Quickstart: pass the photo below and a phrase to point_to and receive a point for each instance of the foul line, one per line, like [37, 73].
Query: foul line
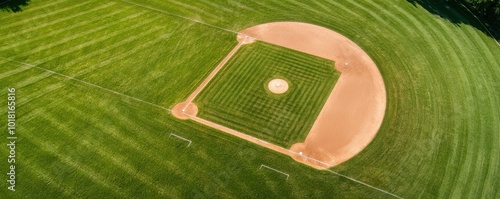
[362, 183]
[88, 83]
[278, 149]
[180, 16]
[480, 22]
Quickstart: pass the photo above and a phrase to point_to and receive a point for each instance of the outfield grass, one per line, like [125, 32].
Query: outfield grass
[439, 138]
[238, 96]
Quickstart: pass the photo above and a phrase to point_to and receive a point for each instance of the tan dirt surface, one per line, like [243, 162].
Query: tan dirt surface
[183, 109]
[354, 110]
[278, 86]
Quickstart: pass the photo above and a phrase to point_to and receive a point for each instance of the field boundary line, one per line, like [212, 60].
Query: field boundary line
[278, 149]
[273, 169]
[480, 22]
[213, 73]
[182, 138]
[179, 16]
[87, 83]
[365, 184]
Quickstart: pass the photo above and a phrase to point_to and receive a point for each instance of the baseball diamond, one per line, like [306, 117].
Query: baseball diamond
[248, 99]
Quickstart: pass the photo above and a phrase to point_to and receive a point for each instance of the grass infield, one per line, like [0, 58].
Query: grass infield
[238, 96]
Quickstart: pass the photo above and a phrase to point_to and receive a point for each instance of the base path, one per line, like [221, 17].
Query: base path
[354, 110]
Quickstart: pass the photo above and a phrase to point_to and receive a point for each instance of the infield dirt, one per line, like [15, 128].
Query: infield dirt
[354, 110]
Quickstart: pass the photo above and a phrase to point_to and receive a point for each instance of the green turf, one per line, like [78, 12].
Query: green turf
[439, 138]
[238, 96]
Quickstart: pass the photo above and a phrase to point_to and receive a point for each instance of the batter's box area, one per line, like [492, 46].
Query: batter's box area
[245, 96]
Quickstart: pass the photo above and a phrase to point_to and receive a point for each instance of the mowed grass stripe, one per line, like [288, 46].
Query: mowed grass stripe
[108, 155]
[47, 53]
[395, 20]
[37, 8]
[34, 94]
[61, 127]
[476, 156]
[490, 162]
[134, 145]
[32, 79]
[91, 71]
[466, 145]
[74, 37]
[59, 21]
[28, 92]
[85, 71]
[90, 173]
[99, 39]
[72, 26]
[139, 146]
[13, 71]
[104, 47]
[472, 162]
[38, 172]
[429, 38]
[45, 15]
[456, 57]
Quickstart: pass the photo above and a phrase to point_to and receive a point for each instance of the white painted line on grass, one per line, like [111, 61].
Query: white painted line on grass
[177, 136]
[180, 16]
[88, 83]
[362, 183]
[286, 174]
[482, 24]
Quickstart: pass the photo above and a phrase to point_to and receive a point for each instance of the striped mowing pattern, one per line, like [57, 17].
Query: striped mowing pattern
[238, 97]
[439, 138]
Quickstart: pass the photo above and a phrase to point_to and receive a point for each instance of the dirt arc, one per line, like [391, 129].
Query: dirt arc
[354, 110]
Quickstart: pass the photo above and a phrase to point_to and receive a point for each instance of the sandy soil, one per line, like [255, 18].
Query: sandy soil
[354, 110]
[278, 86]
[184, 109]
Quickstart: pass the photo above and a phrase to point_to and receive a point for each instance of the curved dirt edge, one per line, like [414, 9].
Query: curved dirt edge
[184, 110]
[355, 108]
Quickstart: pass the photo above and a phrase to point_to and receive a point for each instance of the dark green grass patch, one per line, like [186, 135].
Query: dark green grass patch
[239, 98]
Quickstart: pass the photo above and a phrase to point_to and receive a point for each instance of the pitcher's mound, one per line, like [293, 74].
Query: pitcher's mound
[278, 86]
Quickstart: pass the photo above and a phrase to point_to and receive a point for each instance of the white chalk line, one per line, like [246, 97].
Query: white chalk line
[87, 83]
[276, 170]
[182, 138]
[480, 22]
[365, 184]
[180, 16]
